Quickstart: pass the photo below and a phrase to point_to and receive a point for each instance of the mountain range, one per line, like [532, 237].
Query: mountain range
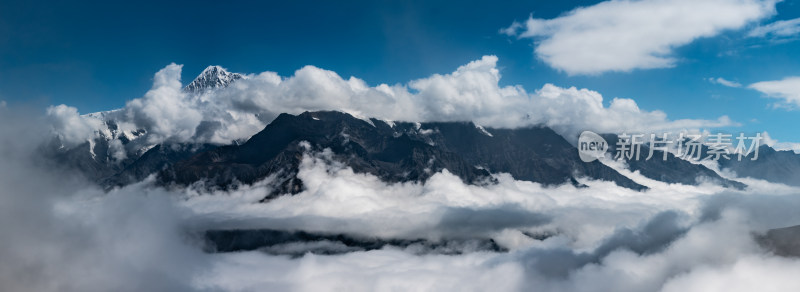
[392, 151]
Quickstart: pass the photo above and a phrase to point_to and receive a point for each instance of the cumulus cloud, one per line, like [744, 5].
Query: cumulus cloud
[778, 29]
[164, 110]
[787, 89]
[569, 110]
[71, 127]
[627, 35]
[780, 145]
[470, 93]
[724, 82]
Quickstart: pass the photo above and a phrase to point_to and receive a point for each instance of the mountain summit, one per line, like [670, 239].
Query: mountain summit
[391, 151]
[394, 152]
[212, 77]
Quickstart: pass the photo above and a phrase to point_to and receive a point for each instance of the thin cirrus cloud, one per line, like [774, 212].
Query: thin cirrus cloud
[626, 35]
[724, 82]
[787, 89]
[779, 29]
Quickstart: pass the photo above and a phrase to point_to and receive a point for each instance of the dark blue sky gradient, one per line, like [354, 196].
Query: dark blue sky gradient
[95, 55]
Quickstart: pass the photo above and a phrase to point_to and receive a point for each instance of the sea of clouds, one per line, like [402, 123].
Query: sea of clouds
[62, 233]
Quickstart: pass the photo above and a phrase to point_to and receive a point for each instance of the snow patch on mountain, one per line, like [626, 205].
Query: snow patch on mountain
[483, 130]
[212, 77]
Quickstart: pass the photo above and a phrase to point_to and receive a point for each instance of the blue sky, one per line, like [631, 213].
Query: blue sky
[97, 55]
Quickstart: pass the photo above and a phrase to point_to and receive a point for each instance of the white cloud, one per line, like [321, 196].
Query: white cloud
[787, 89]
[165, 110]
[724, 82]
[778, 145]
[749, 273]
[589, 220]
[471, 93]
[571, 110]
[71, 127]
[626, 35]
[782, 28]
[61, 235]
[117, 150]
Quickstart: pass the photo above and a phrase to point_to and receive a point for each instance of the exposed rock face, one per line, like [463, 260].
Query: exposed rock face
[771, 165]
[673, 169]
[394, 153]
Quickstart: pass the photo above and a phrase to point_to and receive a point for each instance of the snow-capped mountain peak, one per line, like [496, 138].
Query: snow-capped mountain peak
[212, 77]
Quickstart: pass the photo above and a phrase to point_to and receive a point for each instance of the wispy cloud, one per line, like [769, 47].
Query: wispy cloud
[787, 89]
[782, 28]
[628, 35]
[780, 145]
[724, 82]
